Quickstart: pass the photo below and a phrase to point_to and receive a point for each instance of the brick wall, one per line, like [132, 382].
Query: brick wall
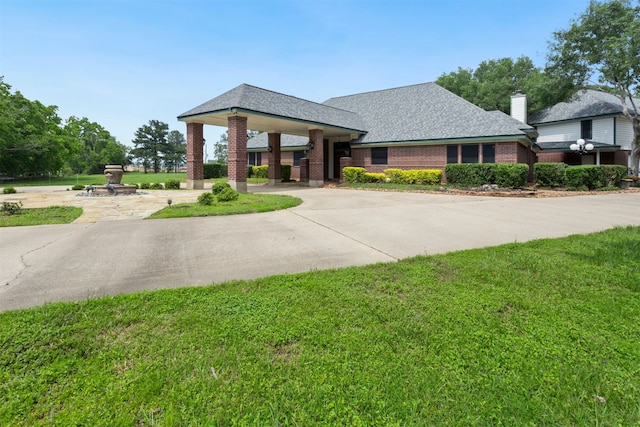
[195, 168]
[237, 163]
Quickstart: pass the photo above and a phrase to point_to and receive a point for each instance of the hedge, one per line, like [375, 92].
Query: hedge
[260, 171]
[214, 170]
[285, 173]
[506, 175]
[593, 177]
[421, 176]
[353, 174]
[550, 174]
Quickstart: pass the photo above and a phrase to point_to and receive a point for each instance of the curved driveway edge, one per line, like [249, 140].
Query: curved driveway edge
[333, 228]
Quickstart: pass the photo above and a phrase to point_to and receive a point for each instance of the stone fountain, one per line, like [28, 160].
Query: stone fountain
[113, 173]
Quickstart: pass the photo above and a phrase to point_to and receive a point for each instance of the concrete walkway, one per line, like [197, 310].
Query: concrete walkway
[109, 251]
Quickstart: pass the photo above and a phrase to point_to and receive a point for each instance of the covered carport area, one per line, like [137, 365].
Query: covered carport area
[251, 108]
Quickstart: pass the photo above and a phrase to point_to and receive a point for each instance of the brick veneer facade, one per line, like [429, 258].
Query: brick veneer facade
[275, 160]
[316, 158]
[195, 168]
[237, 151]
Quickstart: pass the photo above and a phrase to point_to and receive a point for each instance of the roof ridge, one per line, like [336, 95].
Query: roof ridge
[383, 90]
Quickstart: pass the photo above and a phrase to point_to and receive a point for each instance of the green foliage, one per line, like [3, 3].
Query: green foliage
[420, 176]
[505, 175]
[151, 144]
[41, 216]
[145, 185]
[353, 174]
[260, 171]
[510, 175]
[175, 153]
[156, 186]
[227, 195]
[77, 187]
[214, 170]
[95, 147]
[10, 208]
[219, 187]
[594, 177]
[9, 190]
[550, 174]
[467, 174]
[613, 174]
[372, 177]
[172, 184]
[206, 199]
[285, 173]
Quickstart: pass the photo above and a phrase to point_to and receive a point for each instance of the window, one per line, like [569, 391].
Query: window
[452, 154]
[470, 153]
[488, 153]
[379, 156]
[297, 155]
[586, 129]
[255, 159]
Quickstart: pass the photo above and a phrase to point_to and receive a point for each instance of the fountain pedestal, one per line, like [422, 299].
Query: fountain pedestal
[113, 173]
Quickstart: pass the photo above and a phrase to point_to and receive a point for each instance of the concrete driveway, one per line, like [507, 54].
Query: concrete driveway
[117, 253]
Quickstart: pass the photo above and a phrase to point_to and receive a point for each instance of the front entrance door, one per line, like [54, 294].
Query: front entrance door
[340, 149]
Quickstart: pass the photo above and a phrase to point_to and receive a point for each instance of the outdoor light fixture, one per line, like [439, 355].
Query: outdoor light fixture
[310, 145]
[269, 148]
[581, 146]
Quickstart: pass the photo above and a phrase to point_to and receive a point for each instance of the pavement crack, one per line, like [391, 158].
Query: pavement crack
[344, 235]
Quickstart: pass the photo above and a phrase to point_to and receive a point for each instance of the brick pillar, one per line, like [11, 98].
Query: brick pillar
[344, 163]
[237, 150]
[195, 168]
[304, 169]
[275, 175]
[316, 158]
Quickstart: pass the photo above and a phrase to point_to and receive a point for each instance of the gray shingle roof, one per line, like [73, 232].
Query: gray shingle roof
[420, 113]
[247, 97]
[586, 104]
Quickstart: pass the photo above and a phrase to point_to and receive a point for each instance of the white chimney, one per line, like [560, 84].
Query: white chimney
[519, 107]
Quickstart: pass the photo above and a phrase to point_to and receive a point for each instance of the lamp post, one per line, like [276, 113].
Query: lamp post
[581, 147]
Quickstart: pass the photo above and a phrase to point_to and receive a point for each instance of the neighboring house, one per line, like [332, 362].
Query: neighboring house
[421, 126]
[593, 116]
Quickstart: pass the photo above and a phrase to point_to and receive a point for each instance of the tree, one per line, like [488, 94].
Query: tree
[31, 138]
[604, 42]
[220, 148]
[151, 144]
[176, 151]
[492, 83]
[97, 147]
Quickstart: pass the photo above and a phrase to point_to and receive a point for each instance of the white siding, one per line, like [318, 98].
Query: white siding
[624, 133]
[602, 130]
[569, 131]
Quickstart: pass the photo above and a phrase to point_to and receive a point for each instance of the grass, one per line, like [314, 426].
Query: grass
[246, 203]
[41, 216]
[540, 333]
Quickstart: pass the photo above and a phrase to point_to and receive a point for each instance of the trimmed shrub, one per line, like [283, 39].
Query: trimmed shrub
[77, 187]
[10, 208]
[467, 174]
[215, 170]
[9, 190]
[614, 174]
[371, 177]
[172, 184]
[156, 186]
[396, 176]
[593, 177]
[206, 199]
[228, 195]
[419, 176]
[145, 186]
[260, 171]
[285, 173]
[510, 175]
[219, 187]
[353, 174]
[550, 174]
[249, 171]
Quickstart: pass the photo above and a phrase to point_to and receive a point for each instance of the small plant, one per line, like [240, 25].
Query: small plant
[228, 195]
[207, 199]
[219, 187]
[11, 208]
[353, 174]
[145, 186]
[172, 184]
[156, 186]
[77, 187]
[9, 190]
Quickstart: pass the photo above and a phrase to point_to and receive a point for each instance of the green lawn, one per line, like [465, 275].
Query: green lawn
[246, 203]
[41, 216]
[540, 333]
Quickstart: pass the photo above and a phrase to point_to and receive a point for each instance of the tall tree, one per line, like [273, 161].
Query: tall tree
[220, 148]
[604, 42]
[151, 143]
[97, 147]
[492, 83]
[176, 151]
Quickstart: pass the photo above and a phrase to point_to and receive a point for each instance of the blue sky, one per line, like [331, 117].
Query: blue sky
[122, 63]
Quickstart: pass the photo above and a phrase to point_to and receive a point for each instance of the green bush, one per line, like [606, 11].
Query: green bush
[260, 171]
[219, 187]
[285, 173]
[9, 190]
[396, 176]
[172, 184]
[372, 177]
[215, 170]
[249, 171]
[593, 177]
[145, 185]
[468, 174]
[228, 195]
[206, 199]
[510, 175]
[10, 208]
[420, 176]
[353, 174]
[156, 186]
[550, 174]
[614, 174]
[77, 187]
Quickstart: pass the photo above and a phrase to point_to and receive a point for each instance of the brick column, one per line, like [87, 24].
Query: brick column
[275, 175]
[316, 158]
[195, 168]
[237, 150]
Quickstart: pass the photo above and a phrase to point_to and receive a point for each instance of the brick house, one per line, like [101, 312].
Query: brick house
[421, 126]
[592, 115]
